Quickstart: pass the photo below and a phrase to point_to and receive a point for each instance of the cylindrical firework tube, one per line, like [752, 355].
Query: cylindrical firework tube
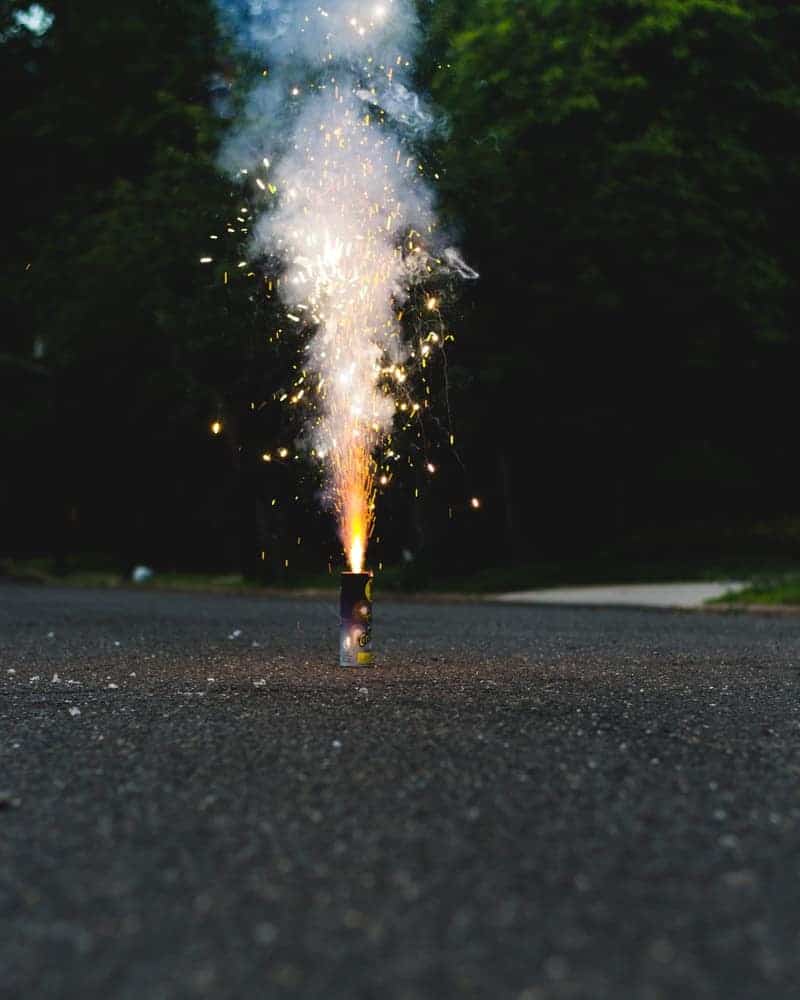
[355, 616]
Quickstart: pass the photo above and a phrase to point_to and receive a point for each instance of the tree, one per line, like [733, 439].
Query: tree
[123, 340]
[628, 170]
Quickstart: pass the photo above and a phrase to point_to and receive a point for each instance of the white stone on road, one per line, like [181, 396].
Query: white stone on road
[639, 595]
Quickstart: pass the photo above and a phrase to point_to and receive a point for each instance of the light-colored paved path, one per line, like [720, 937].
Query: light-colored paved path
[641, 595]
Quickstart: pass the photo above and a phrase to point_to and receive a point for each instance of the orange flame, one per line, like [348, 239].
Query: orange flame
[355, 493]
[356, 555]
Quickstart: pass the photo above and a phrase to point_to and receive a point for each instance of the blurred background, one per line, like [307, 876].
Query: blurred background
[621, 388]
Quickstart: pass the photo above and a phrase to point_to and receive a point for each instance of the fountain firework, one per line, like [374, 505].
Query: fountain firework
[326, 143]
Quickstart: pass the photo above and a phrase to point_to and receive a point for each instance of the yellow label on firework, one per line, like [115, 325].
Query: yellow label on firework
[363, 659]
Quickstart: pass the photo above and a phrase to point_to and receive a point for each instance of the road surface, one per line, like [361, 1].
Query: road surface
[521, 802]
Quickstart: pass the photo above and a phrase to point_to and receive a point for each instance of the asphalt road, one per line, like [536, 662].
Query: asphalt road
[520, 802]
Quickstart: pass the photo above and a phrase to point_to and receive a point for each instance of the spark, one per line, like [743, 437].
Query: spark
[216, 427]
[353, 223]
[475, 503]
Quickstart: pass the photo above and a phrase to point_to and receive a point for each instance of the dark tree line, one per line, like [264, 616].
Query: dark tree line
[622, 174]
[629, 173]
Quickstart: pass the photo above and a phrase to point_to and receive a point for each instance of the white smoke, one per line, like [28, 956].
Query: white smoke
[293, 32]
[348, 210]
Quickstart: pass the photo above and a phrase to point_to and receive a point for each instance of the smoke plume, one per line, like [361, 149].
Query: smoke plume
[326, 141]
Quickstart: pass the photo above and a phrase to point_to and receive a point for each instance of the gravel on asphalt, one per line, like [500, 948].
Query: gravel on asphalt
[517, 802]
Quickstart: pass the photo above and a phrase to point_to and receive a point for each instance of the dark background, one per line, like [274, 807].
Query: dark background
[623, 175]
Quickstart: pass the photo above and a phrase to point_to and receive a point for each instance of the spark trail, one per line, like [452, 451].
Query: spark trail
[348, 212]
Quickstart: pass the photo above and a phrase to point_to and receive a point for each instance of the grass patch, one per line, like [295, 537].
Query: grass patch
[767, 590]
[772, 583]
[43, 571]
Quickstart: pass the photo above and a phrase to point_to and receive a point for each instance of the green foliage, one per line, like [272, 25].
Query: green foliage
[767, 591]
[626, 139]
[629, 171]
[120, 347]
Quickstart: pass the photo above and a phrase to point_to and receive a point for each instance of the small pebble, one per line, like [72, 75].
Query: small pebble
[265, 933]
